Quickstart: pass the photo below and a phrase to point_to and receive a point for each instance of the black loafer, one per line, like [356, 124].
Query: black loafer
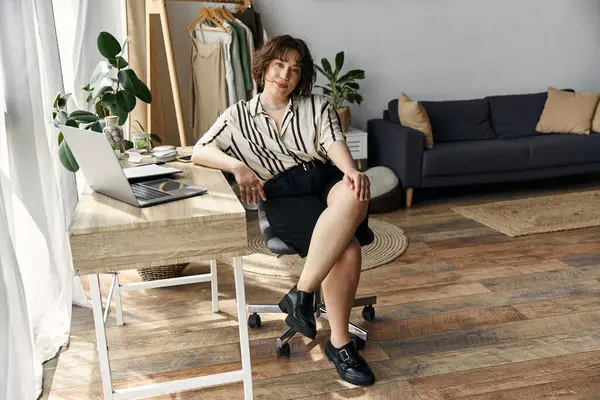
[299, 306]
[350, 366]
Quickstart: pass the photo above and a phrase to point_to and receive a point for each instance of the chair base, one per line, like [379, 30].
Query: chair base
[359, 335]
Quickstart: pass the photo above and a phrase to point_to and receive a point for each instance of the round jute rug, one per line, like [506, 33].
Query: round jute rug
[390, 242]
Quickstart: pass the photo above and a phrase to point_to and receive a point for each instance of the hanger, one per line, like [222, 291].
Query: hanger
[227, 14]
[206, 14]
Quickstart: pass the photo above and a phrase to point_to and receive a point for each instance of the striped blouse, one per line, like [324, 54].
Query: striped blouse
[245, 131]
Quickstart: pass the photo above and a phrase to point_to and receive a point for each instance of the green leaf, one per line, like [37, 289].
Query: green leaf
[144, 93]
[326, 91]
[140, 125]
[352, 85]
[359, 98]
[96, 127]
[60, 138]
[87, 88]
[54, 113]
[118, 62]
[108, 99]
[89, 98]
[156, 138]
[61, 118]
[125, 101]
[351, 75]
[62, 101]
[99, 108]
[326, 65]
[128, 144]
[66, 157]
[108, 46]
[105, 90]
[122, 114]
[132, 84]
[325, 74]
[79, 113]
[339, 62]
[72, 123]
[83, 116]
[55, 103]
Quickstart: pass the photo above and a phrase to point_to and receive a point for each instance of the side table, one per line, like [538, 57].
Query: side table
[357, 143]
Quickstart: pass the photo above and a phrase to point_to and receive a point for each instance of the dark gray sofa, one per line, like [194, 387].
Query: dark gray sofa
[486, 140]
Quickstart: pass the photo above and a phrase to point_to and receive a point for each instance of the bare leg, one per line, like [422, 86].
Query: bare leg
[339, 289]
[331, 236]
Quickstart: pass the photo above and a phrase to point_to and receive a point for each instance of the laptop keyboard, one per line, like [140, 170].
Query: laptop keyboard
[146, 193]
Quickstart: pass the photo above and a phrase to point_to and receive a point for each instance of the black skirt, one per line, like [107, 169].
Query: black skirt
[295, 200]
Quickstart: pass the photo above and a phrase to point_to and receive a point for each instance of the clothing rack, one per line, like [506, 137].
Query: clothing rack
[159, 7]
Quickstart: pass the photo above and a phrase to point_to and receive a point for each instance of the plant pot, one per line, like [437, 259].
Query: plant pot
[344, 113]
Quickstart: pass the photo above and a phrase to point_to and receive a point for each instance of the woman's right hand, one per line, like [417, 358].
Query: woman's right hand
[250, 187]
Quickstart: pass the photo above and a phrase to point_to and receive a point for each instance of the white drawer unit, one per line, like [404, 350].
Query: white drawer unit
[357, 143]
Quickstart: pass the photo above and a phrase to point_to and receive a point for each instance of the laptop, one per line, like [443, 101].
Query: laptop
[104, 174]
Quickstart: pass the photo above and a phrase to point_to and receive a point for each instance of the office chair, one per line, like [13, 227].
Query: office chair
[277, 246]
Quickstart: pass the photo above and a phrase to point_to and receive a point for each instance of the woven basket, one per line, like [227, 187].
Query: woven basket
[164, 272]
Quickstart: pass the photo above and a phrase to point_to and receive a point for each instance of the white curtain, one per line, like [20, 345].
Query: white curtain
[37, 195]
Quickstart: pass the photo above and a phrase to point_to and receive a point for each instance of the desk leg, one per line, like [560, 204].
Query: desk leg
[101, 336]
[214, 286]
[118, 306]
[240, 295]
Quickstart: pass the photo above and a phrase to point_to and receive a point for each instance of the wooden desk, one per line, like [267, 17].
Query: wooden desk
[107, 235]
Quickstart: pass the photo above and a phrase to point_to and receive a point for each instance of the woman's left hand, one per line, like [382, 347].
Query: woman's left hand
[359, 183]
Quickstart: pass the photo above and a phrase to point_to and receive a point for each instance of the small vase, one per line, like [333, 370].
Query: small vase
[114, 133]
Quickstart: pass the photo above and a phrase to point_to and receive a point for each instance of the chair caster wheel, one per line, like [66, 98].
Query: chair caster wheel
[359, 343]
[368, 313]
[254, 321]
[283, 350]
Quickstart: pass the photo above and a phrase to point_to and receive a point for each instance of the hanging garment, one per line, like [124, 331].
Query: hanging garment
[209, 97]
[244, 58]
[236, 61]
[252, 20]
[253, 90]
[225, 39]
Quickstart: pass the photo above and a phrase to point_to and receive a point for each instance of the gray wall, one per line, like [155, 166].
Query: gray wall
[435, 49]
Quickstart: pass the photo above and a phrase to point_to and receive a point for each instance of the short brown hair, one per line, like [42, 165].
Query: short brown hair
[278, 47]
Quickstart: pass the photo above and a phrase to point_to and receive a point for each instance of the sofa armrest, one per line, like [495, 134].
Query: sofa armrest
[397, 147]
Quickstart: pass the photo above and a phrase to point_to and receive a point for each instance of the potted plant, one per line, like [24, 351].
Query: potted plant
[112, 91]
[341, 88]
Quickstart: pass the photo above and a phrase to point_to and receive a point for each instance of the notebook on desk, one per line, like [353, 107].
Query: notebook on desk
[104, 174]
[149, 171]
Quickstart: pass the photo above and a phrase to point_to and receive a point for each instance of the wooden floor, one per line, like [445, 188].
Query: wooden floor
[465, 313]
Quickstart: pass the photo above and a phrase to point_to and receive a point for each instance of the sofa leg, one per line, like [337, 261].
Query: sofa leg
[409, 196]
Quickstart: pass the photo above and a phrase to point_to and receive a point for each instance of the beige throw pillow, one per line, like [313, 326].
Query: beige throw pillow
[412, 114]
[596, 120]
[566, 112]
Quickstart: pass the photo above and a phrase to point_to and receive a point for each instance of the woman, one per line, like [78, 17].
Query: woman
[280, 146]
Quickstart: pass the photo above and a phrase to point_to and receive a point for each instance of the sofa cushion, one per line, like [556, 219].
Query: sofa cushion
[557, 150]
[596, 119]
[568, 112]
[454, 120]
[473, 157]
[516, 115]
[459, 120]
[413, 115]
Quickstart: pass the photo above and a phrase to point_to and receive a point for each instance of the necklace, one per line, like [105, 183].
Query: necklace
[271, 107]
